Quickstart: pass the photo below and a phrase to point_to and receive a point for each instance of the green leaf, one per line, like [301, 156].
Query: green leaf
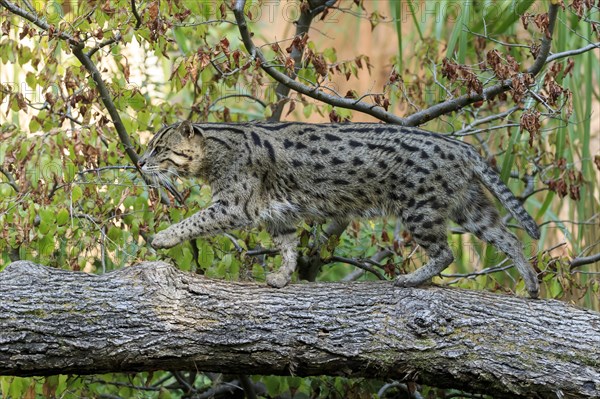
[47, 216]
[137, 101]
[18, 387]
[34, 125]
[31, 80]
[330, 54]
[115, 234]
[182, 39]
[267, 112]
[206, 254]
[273, 385]
[62, 217]
[76, 193]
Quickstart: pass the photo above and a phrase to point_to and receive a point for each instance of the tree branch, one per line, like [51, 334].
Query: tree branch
[584, 260]
[152, 316]
[455, 104]
[33, 18]
[415, 119]
[314, 92]
[302, 26]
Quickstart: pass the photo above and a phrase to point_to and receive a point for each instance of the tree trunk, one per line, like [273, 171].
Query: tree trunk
[152, 316]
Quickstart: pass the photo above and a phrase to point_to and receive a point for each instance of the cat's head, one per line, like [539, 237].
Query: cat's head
[176, 150]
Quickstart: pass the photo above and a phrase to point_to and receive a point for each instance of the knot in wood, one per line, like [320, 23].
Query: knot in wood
[425, 320]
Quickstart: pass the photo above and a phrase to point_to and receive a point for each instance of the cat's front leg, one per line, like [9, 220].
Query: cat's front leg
[210, 221]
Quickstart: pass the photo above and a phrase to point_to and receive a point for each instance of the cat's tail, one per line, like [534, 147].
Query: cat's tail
[492, 181]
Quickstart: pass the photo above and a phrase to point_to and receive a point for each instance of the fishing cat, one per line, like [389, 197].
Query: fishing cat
[275, 174]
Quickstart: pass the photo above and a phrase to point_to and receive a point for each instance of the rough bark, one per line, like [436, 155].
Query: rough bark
[152, 316]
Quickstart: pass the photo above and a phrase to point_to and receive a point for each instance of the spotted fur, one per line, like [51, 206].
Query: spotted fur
[276, 174]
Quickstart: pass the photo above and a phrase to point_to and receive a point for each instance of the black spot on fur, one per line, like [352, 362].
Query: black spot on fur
[357, 161]
[256, 139]
[408, 147]
[427, 225]
[422, 171]
[270, 150]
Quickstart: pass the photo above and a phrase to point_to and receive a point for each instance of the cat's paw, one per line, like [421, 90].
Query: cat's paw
[164, 239]
[277, 280]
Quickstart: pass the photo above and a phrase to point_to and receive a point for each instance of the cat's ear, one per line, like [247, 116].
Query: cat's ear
[186, 128]
[198, 130]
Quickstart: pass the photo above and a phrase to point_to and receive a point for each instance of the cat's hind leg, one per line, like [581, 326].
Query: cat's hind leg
[430, 233]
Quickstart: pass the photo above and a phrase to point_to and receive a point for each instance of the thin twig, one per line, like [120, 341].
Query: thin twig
[124, 384]
[105, 43]
[232, 72]
[570, 53]
[487, 129]
[258, 100]
[208, 22]
[360, 263]
[487, 119]
[185, 386]
[492, 269]
[358, 273]
[11, 180]
[584, 260]
[233, 240]
[262, 251]
[136, 15]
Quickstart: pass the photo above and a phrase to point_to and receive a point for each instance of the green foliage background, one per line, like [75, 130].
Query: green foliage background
[70, 198]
